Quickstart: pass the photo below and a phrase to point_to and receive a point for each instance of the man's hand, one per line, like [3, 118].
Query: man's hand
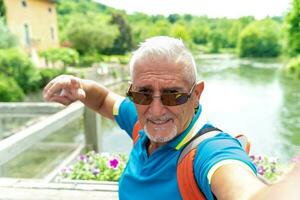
[64, 89]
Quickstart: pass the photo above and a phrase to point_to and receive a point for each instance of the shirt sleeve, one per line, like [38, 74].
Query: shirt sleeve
[125, 115]
[214, 152]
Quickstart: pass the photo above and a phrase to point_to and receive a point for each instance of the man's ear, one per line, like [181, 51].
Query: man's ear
[199, 87]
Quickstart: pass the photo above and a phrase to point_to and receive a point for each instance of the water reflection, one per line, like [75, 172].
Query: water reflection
[252, 99]
[46, 155]
[290, 112]
[10, 124]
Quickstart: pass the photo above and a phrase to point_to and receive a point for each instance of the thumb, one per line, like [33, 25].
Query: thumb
[81, 94]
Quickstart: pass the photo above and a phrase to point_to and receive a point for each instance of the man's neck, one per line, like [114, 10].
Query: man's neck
[152, 146]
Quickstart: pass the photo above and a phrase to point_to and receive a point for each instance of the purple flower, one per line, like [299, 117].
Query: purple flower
[261, 170]
[83, 158]
[95, 171]
[252, 157]
[260, 158]
[113, 163]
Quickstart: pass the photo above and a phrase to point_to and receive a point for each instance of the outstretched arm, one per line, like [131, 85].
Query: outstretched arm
[66, 89]
[235, 182]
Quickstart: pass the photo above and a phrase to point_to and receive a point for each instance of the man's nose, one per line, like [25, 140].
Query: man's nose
[156, 106]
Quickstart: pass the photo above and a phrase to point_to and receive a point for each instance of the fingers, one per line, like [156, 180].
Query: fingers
[64, 89]
[77, 89]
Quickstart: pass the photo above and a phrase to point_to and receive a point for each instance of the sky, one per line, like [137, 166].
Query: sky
[212, 8]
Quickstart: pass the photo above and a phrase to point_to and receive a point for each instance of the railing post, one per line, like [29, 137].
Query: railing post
[92, 130]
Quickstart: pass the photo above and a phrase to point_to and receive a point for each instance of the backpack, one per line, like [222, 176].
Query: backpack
[187, 184]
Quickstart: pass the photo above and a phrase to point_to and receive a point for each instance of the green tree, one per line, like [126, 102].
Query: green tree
[123, 42]
[260, 39]
[7, 39]
[2, 9]
[200, 30]
[293, 29]
[173, 18]
[91, 33]
[179, 30]
[215, 42]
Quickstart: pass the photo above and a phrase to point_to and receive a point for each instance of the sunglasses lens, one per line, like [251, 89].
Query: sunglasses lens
[140, 98]
[174, 99]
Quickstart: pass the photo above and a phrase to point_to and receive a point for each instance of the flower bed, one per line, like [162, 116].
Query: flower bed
[268, 167]
[109, 167]
[95, 166]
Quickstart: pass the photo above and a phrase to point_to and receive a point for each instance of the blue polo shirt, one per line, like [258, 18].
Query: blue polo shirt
[154, 177]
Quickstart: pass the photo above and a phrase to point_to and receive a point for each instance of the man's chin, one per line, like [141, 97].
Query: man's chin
[161, 136]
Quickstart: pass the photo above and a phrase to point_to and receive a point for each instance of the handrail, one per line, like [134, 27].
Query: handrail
[22, 140]
[29, 109]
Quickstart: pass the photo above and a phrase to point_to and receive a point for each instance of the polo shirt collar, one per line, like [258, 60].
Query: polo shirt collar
[198, 121]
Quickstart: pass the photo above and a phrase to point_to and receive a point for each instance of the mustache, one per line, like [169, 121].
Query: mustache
[159, 119]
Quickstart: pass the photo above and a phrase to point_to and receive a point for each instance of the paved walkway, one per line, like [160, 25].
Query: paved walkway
[21, 189]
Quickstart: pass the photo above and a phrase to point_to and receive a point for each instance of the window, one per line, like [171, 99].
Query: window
[26, 35]
[24, 3]
[52, 33]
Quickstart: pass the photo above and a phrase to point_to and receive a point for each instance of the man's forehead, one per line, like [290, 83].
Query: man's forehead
[162, 87]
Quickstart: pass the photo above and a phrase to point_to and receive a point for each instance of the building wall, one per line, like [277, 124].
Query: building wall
[40, 18]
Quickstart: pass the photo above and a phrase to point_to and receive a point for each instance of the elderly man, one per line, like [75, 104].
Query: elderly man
[163, 114]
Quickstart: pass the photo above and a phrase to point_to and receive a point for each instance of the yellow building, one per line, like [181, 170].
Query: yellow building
[34, 22]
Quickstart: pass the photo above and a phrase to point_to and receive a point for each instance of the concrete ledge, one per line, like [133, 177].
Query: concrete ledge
[32, 189]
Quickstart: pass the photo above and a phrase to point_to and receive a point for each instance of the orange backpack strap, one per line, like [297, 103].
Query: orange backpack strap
[187, 184]
[244, 142]
[135, 132]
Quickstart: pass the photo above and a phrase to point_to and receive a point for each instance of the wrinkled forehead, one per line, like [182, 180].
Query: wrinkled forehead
[162, 66]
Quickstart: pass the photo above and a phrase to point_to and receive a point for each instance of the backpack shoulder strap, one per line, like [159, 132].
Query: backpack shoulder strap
[135, 132]
[188, 186]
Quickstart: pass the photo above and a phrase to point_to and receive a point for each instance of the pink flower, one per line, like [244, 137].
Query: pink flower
[261, 170]
[296, 159]
[83, 158]
[113, 163]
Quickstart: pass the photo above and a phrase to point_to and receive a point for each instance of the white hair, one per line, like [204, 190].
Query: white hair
[168, 49]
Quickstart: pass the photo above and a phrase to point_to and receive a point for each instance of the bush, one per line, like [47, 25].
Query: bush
[66, 55]
[89, 59]
[120, 59]
[293, 68]
[260, 39]
[15, 64]
[10, 90]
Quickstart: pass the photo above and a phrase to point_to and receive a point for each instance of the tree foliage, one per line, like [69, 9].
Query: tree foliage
[260, 39]
[91, 33]
[214, 33]
[9, 89]
[293, 29]
[15, 64]
[7, 39]
[123, 42]
[2, 9]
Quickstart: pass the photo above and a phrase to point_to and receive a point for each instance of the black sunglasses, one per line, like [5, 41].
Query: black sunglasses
[167, 99]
